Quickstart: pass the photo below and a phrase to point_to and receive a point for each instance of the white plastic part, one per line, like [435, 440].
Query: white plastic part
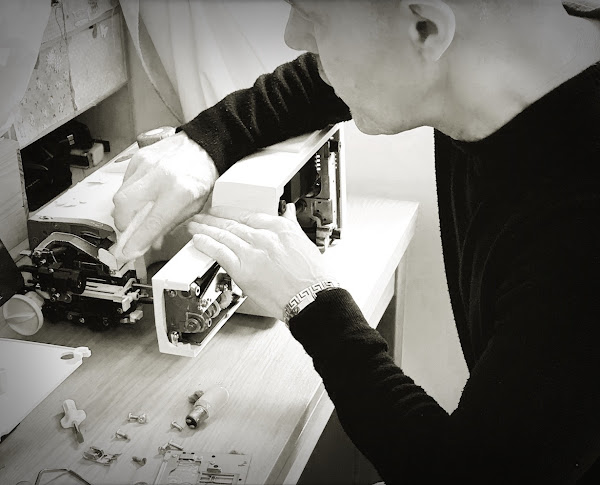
[23, 313]
[31, 372]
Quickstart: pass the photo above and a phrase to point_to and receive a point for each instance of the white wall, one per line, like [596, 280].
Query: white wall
[401, 167]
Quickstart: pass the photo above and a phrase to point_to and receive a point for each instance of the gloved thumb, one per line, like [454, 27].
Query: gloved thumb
[290, 212]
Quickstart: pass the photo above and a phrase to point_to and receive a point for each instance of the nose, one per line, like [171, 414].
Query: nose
[299, 33]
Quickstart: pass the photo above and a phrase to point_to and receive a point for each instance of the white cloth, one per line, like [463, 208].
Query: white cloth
[207, 48]
[22, 26]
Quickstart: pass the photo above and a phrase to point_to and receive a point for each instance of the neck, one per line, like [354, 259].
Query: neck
[489, 85]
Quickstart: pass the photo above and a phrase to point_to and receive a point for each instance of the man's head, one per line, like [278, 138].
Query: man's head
[400, 64]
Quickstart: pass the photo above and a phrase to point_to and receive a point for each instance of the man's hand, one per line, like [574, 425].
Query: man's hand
[269, 257]
[175, 176]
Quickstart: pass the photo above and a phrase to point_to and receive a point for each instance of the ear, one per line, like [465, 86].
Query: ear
[432, 28]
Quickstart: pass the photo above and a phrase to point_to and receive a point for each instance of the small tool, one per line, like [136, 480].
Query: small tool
[73, 418]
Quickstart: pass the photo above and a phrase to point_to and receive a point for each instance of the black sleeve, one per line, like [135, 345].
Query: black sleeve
[288, 102]
[529, 412]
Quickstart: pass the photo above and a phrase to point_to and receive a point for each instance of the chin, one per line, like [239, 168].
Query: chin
[370, 127]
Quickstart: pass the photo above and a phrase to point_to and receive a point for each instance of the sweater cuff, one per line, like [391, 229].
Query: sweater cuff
[330, 319]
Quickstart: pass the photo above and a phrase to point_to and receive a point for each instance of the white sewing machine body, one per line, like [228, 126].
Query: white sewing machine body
[308, 171]
[192, 295]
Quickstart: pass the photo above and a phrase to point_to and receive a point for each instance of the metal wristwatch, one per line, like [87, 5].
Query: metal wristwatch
[305, 297]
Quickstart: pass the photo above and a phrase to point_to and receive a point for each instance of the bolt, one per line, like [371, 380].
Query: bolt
[139, 461]
[177, 426]
[120, 434]
[162, 449]
[141, 418]
[175, 445]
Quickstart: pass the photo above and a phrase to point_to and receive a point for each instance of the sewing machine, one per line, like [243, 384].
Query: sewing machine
[69, 276]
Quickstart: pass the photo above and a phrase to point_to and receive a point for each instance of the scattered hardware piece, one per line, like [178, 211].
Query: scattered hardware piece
[120, 434]
[176, 425]
[162, 449]
[203, 468]
[57, 470]
[138, 460]
[73, 418]
[140, 418]
[207, 405]
[97, 455]
[172, 444]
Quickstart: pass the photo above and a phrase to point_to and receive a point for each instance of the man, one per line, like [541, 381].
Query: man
[512, 88]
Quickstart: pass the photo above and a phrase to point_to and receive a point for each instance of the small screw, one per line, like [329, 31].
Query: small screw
[139, 461]
[140, 418]
[120, 434]
[175, 445]
[177, 426]
[162, 449]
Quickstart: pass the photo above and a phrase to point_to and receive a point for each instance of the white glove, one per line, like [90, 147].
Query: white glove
[169, 180]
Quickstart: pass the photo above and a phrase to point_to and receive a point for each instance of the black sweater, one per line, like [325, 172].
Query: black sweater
[519, 221]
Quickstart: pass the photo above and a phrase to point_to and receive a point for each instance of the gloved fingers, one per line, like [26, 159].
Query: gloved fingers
[243, 232]
[290, 212]
[169, 210]
[228, 260]
[225, 237]
[255, 220]
[130, 199]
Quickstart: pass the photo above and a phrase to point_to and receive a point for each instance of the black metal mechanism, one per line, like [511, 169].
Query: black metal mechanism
[315, 191]
[77, 287]
[193, 314]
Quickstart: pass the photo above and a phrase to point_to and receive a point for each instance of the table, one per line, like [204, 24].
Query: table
[277, 407]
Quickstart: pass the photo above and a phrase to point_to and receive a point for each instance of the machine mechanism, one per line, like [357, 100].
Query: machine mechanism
[203, 468]
[68, 273]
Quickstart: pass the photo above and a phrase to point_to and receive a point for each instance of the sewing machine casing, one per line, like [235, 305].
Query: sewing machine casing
[306, 170]
[68, 235]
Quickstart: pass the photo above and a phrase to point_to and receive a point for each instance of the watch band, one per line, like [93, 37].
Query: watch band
[305, 297]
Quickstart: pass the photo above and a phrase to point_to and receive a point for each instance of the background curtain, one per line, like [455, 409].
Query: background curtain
[195, 52]
[22, 25]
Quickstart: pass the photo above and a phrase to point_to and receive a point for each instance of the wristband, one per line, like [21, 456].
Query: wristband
[305, 297]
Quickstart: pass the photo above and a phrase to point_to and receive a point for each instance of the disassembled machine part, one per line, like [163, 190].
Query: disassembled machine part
[98, 456]
[60, 470]
[120, 434]
[138, 460]
[203, 468]
[73, 418]
[176, 426]
[140, 418]
[193, 295]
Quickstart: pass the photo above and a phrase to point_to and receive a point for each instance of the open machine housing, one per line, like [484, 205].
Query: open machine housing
[192, 295]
